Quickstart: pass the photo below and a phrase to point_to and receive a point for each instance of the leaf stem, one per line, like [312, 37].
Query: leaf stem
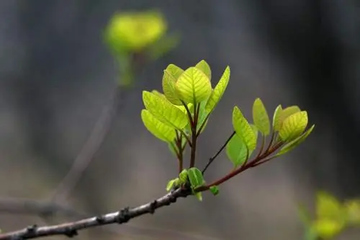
[218, 152]
[194, 135]
[230, 175]
[180, 151]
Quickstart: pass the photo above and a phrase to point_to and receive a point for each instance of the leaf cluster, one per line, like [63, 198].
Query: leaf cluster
[180, 114]
[331, 217]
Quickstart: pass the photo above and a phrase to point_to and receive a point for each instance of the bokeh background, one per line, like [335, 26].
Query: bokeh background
[56, 74]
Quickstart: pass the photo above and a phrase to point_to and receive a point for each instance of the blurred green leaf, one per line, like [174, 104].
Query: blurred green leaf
[134, 31]
[164, 45]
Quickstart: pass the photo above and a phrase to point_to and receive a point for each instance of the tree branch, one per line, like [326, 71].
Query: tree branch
[71, 229]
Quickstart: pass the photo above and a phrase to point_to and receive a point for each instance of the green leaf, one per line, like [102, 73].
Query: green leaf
[214, 190]
[260, 117]
[254, 128]
[183, 176]
[237, 151]
[168, 84]
[293, 126]
[174, 71]
[198, 195]
[218, 91]
[281, 114]
[204, 67]
[243, 129]
[157, 128]
[172, 184]
[196, 178]
[164, 110]
[296, 142]
[276, 118]
[193, 86]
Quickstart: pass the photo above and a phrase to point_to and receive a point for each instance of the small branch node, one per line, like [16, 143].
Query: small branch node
[70, 232]
[32, 228]
[100, 219]
[123, 216]
[153, 205]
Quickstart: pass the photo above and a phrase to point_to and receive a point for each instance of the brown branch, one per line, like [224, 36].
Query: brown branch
[71, 229]
[90, 148]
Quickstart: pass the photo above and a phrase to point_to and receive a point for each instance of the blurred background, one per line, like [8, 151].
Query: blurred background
[57, 73]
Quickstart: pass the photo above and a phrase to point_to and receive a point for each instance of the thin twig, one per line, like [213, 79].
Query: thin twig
[218, 152]
[71, 229]
[90, 148]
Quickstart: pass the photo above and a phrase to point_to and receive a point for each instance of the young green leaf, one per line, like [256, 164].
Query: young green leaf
[243, 129]
[196, 178]
[174, 71]
[163, 110]
[193, 86]
[204, 67]
[237, 151]
[293, 126]
[214, 190]
[296, 142]
[282, 114]
[172, 184]
[198, 195]
[276, 118]
[183, 176]
[260, 117]
[168, 84]
[157, 128]
[218, 91]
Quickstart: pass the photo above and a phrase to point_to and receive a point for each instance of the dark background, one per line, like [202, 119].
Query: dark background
[56, 74]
